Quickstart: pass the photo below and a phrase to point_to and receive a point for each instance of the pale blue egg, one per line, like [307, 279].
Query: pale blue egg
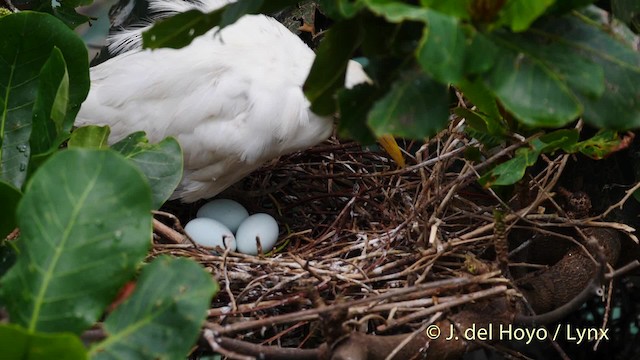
[210, 233]
[257, 226]
[228, 212]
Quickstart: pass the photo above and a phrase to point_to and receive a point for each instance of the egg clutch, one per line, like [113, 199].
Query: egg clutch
[227, 224]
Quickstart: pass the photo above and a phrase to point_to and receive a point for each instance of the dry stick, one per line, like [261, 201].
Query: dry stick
[622, 270]
[443, 306]
[312, 314]
[215, 346]
[168, 233]
[621, 203]
[607, 311]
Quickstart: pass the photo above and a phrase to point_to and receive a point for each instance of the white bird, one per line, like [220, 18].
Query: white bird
[232, 98]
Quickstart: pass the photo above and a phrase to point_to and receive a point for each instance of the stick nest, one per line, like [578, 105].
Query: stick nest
[365, 245]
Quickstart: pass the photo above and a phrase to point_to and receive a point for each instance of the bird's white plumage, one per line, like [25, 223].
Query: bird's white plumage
[233, 98]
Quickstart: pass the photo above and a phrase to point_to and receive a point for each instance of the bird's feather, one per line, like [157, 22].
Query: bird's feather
[232, 98]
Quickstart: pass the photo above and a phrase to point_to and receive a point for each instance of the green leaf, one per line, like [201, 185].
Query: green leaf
[354, 107]
[441, 52]
[457, 8]
[511, 171]
[10, 197]
[415, 107]
[27, 43]
[532, 91]
[397, 12]
[162, 319]
[18, 344]
[486, 105]
[161, 163]
[480, 54]
[51, 104]
[330, 65]
[519, 14]
[618, 107]
[341, 9]
[91, 136]
[600, 145]
[179, 30]
[85, 225]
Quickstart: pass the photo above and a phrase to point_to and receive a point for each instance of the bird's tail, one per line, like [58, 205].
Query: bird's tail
[131, 38]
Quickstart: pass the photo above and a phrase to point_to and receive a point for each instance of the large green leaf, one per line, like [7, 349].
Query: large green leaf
[50, 107]
[28, 39]
[330, 65]
[441, 52]
[415, 107]
[618, 106]
[161, 163]
[162, 318]
[519, 14]
[531, 90]
[10, 196]
[18, 344]
[85, 225]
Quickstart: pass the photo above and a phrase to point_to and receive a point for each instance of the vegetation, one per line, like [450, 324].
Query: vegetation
[534, 71]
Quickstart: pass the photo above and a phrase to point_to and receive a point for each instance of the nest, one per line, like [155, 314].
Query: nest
[370, 248]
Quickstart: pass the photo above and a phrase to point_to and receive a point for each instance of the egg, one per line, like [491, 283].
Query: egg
[261, 226]
[228, 212]
[210, 233]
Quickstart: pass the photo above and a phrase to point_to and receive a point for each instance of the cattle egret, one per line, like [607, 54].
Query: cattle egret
[232, 98]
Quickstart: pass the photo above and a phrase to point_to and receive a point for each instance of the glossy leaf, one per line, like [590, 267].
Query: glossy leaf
[162, 319]
[330, 65]
[618, 107]
[18, 344]
[50, 105]
[415, 107]
[28, 41]
[519, 14]
[441, 52]
[161, 163]
[85, 225]
[531, 91]
[10, 197]
[91, 136]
